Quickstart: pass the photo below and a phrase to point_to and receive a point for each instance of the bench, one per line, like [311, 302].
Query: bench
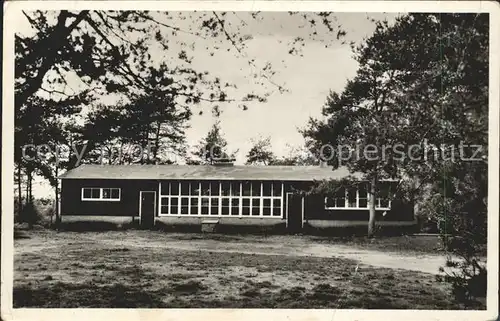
[209, 225]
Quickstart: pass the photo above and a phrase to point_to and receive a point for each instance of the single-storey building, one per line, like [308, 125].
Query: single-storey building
[221, 194]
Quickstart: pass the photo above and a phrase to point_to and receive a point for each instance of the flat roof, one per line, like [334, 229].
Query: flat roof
[207, 172]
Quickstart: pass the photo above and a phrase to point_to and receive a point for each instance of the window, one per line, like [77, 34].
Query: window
[184, 188]
[363, 195]
[357, 198]
[225, 206]
[174, 188]
[266, 206]
[255, 207]
[352, 197]
[256, 189]
[194, 205]
[383, 196]
[219, 198]
[184, 205]
[277, 209]
[100, 194]
[266, 189]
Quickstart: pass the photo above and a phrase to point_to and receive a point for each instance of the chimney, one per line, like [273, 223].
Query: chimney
[224, 162]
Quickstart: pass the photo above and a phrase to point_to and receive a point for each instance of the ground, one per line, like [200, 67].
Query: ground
[156, 269]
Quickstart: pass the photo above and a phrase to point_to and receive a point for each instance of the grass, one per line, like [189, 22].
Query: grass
[62, 270]
[416, 244]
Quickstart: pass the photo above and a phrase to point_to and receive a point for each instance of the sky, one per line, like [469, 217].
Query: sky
[324, 65]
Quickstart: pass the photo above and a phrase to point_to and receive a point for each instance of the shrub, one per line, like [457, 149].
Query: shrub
[29, 214]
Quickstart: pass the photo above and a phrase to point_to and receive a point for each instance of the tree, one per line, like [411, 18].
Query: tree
[261, 152]
[211, 148]
[407, 90]
[422, 82]
[110, 53]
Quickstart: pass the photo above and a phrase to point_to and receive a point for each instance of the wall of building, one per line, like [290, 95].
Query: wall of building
[314, 214]
[72, 203]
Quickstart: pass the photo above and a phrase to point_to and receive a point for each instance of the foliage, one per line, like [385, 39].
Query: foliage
[211, 148]
[30, 214]
[261, 154]
[74, 59]
[422, 81]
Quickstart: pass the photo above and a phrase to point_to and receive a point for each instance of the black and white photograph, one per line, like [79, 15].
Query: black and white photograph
[294, 159]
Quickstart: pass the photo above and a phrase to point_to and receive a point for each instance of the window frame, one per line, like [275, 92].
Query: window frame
[357, 207]
[101, 193]
[166, 186]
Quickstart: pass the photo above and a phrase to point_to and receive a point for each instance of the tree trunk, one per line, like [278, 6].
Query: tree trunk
[56, 209]
[371, 205]
[20, 190]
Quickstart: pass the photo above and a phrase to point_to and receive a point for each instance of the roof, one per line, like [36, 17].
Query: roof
[206, 172]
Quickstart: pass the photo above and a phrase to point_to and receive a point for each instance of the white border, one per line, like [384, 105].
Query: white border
[8, 313]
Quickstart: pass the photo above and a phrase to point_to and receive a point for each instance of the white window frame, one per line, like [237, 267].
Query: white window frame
[357, 207]
[101, 193]
[230, 197]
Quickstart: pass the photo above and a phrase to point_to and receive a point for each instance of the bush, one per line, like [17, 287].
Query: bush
[468, 279]
[29, 214]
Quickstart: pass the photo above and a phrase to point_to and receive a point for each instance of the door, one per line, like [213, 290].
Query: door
[294, 212]
[147, 208]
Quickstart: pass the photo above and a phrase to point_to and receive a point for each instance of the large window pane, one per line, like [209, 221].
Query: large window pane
[96, 193]
[351, 196]
[195, 189]
[255, 207]
[214, 206]
[115, 193]
[329, 202]
[205, 188]
[266, 210]
[174, 208]
[184, 205]
[185, 188]
[235, 188]
[226, 187]
[246, 188]
[340, 198]
[87, 193]
[194, 205]
[164, 202]
[245, 206]
[276, 207]
[165, 188]
[235, 209]
[225, 206]
[277, 189]
[266, 188]
[106, 193]
[256, 189]
[205, 202]
[174, 188]
[363, 195]
[214, 189]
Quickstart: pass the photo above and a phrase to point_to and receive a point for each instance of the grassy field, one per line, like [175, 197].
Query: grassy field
[69, 269]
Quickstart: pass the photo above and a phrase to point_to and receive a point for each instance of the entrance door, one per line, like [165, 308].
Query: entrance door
[147, 208]
[294, 212]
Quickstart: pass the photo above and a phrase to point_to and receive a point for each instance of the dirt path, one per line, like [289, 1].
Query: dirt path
[269, 245]
[297, 246]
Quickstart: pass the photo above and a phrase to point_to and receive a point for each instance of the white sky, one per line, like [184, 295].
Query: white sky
[308, 78]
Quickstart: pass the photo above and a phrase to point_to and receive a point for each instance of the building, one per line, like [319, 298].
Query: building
[223, 195]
